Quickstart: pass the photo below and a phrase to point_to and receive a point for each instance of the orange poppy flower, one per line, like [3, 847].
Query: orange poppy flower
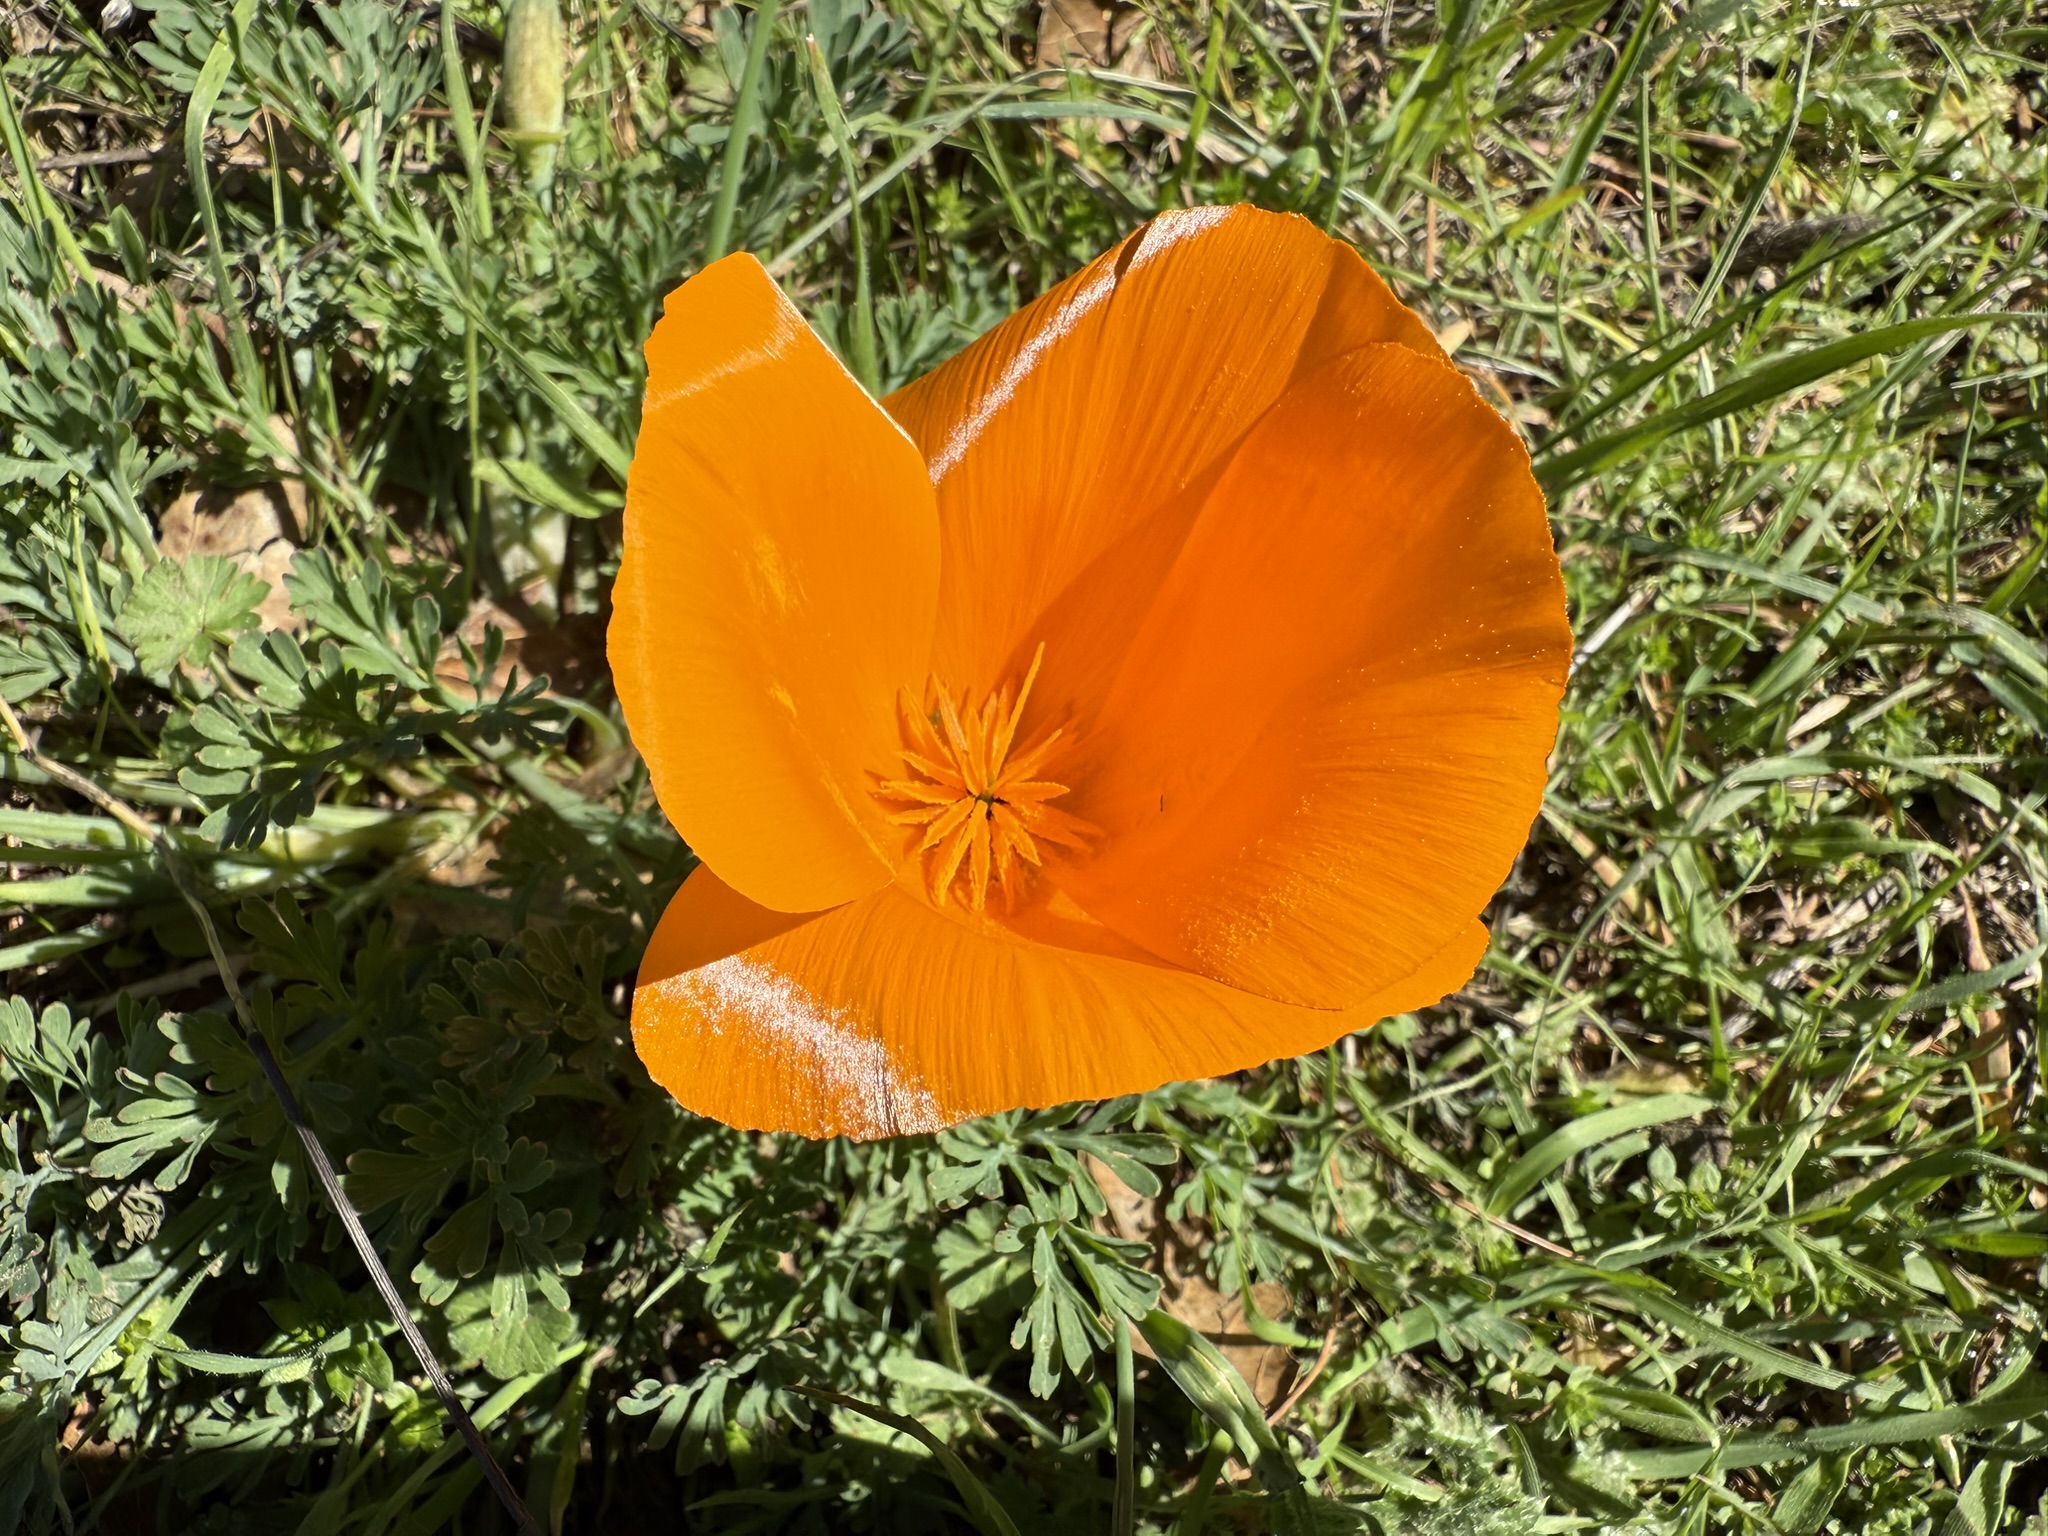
[1161, 686]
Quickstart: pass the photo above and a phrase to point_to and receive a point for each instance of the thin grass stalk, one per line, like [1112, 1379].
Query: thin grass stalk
[309, 1139]
[1573, 166]
[1195, 1513]
[213, 75]
[1123, 1520]
[865, 366]
[1198, 116]
[1717, 274]
[745, 112]
[462, 123]
[36, 201]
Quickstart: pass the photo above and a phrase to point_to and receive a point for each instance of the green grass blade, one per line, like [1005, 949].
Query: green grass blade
[1804, 1506]
[987, 1513]
[1213, 1385]
[746, 115]
[1581, 1135]
[462, 123]
[1765, 1358]
[1572, 168]
[1756, 387]
[36, 198]
[608, 450]
[1717, 272]
[865, 366]
[1194, 1515]
[1123, 1517]
[1836, 1439]
[213, 75]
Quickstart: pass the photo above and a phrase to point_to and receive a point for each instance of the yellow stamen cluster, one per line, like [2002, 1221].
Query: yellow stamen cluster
[983, 811]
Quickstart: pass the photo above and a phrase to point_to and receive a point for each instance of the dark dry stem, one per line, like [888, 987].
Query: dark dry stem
[316, 1154]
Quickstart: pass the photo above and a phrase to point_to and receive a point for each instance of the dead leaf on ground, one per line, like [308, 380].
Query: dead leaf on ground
[464, 865]
[568, 652]
[1075, 32]
[1086, 34]
[1188, 1295]
[605, 773]
[30, 32]
[258, 528]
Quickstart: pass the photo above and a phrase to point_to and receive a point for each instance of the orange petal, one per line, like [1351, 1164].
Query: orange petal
[1326, 744]
[707, 920]
[886, 1017]
[1072, 443]
[778, 590]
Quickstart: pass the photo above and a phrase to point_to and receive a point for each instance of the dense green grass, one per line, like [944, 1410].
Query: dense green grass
[1714, 1203]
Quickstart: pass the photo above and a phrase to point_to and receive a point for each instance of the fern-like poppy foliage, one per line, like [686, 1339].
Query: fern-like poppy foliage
[1161, 686]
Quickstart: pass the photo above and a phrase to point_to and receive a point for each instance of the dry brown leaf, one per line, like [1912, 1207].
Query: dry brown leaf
[570, 652]
[1073, 32]
[1187, 1294]
[606, 773]
[465, 865]
[1088, 34]
[474, 629]
[30, 32]
[258, 528]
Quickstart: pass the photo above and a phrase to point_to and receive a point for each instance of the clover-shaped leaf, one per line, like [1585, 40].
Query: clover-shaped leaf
[182, 609]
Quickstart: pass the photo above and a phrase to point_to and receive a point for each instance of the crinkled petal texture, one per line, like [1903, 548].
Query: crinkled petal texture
[1301, 618]
[778, 590]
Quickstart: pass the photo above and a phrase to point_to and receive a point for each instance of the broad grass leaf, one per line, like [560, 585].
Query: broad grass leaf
[545, 490]
[1946, 995]
[988, 1515]
[1865, 1430]
[1804, 1506]
[1765, 382]
[1663, 1414]
[1980, 1507]
[1567, 1141]
[1213, 1385]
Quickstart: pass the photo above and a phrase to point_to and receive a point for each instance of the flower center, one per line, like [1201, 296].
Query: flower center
[977, 794]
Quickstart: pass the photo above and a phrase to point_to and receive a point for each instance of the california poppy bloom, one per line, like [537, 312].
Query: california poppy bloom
[1161, 686]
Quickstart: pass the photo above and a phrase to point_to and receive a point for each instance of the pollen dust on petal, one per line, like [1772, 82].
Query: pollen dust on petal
[977, 795]
[800, 1038]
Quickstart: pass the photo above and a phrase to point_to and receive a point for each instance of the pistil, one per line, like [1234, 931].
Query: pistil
[977, 795]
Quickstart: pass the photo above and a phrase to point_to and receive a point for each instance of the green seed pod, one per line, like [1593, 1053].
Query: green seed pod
[536, 67]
